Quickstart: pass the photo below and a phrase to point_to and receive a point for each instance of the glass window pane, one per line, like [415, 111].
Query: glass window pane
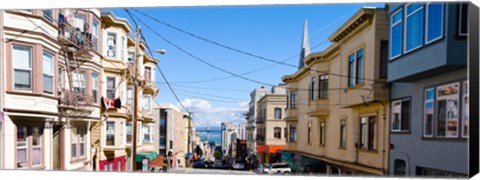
[415, 24]
[22, 79]
[22, 57]
[47, 84]
[396, 40]
[36, 136]
[412, 7]
[434, 26]
[37, 156]
[359, 66]
[22, 158]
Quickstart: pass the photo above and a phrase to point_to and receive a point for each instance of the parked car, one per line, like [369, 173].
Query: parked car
[238, 165]
[278, 168]
[202, 164]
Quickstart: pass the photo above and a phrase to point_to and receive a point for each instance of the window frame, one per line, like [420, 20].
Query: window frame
[279, 110]
[323, 86]
[293, 99]
[293, 132]
[425, 102]
[277, 132]
[30, 70]
[95, 84]
[426, 23]
[29, 147]
[322, 129]
[437, 98]
[343, 133]
[51, 75]
[113, 47]
[351, 70]
[129, 143]
[107, 133]
[313, 84]
[114, 89]
[309, 133]
[392, 24]
[405, 17]
[392, 103]
[95, 34]
[47, 16]
[77, 140]
[359, 66]
[459, 33]
[82, 85]
[148, 133]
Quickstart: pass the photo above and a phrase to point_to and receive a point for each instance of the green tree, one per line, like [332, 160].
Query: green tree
[217, 155]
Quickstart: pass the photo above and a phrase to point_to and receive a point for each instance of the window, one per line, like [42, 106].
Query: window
[367, 132]
[399, 168]
[401, 115]
[434, 18]
[396, 33]
[313, 89]
[293, 133]
[277, 132]
[77, 139]
[309, 133]
[147, 103]
[447, 110]
[148, 133]
[123, 134]
[293, 99]
[80, 22]
[129, 132]
[48, 72]
[463, 19]
[148, 74]
[466, 110]
[343, 133]
[413, 26]
[351, 69]
[48, 13]
[119, 166]
[111, 45]
[383, 59]
[29, 146]
[278, 113]
[428, 111]
[79, 82]
[95, 32]
[285, 133]
[22, 67]
[111, 87]
[95, 87]
[323, 89]
[359, 69]
[122, 56]
[110, 133]
[322, 132]
[131, 57]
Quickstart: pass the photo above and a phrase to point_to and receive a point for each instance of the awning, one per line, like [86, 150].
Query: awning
[158, 162]
[149, 156]
[276, 149]
[262, 148]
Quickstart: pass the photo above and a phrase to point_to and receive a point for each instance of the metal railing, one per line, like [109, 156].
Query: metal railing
[75, 99]
[74, 36]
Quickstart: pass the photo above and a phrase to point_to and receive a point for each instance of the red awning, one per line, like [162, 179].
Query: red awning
[276, 149]
[262, 148]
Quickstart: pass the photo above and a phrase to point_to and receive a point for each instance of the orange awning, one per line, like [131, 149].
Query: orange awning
[262, 148]
[276, 149]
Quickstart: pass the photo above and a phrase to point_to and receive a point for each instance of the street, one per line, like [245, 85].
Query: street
[209, 171]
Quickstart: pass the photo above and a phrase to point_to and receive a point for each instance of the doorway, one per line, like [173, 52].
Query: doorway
[56, 147]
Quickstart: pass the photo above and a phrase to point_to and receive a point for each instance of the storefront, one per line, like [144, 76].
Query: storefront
[115, 164]
[140, 158]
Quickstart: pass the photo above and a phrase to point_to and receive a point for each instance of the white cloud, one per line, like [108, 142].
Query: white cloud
[205, 114]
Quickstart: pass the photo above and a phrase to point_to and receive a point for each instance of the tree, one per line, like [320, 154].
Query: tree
[217, 155]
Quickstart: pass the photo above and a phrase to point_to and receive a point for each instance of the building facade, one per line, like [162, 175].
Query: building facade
[337, 119]
[172, 134]
[255, 95]
[270, 125]
[427, 70]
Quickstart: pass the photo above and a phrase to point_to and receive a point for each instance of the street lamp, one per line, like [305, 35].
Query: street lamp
[161, 51]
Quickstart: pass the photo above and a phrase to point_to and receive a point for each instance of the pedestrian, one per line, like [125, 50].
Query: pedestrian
[260, 168]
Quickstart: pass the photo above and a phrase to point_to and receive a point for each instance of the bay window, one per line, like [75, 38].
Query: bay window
[447, 110]
[148, 133]
[29, 148]
[351, 70]
[80, 22]
[359, 70]
[123, 134]
[95, 87]
[111, 87]
[95, 33]
[400, 115]
[434, 24]
[79, 82]
[396, 33]
[313, 89]
[22, 67]
[48, 13]
[48, 71]
[293, 99]
[147, 103]
[111, 45]
[77, 138]
[148, 74]
[129, 132]
[110, 133]
[323, 89]
[122, 51]
[414, 26]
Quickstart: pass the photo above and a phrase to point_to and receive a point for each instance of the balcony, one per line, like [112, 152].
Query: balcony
[75, 41]
[75, 104]
[319, 107]
[149, 87]
[291, 115]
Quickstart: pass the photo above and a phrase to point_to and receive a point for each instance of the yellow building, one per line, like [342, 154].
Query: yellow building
[338, 101]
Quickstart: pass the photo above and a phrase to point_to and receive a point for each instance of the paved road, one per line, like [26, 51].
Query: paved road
[209, 171]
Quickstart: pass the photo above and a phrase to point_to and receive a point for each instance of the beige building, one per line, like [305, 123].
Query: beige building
[270, 125]
[172, 133]
[50, 61]
[337, 104]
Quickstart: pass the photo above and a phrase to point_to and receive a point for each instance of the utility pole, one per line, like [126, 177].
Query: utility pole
[135, 100]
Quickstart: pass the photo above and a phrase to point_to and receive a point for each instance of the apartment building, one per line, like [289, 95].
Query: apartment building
[427, 70]
[172, 133]
[51, 98]
[270, 125]
[255, 95]
[337, 116]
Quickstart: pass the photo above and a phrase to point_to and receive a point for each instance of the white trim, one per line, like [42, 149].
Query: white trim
[406, 27]
[446, 98]
[24, 69]
[106, 133]
[391, 33]
[399, 116]
[47, 74]
[426, 23]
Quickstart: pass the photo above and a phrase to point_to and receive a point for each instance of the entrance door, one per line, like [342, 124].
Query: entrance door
[56, 147]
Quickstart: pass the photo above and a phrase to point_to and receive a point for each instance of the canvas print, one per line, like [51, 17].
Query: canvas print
[377, 89]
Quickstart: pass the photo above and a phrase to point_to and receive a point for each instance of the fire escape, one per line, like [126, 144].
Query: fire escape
[76, 48]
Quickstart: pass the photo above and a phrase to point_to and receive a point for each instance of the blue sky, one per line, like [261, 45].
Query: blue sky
[274, 32]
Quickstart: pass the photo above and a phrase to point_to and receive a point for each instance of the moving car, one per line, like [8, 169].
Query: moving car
[278, 168]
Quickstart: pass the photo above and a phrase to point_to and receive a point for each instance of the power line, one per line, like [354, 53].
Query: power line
[240, 51]
[205, 88]
[223, 97]
[158, 67]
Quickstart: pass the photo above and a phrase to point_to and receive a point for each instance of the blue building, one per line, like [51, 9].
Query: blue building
[427, 71]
